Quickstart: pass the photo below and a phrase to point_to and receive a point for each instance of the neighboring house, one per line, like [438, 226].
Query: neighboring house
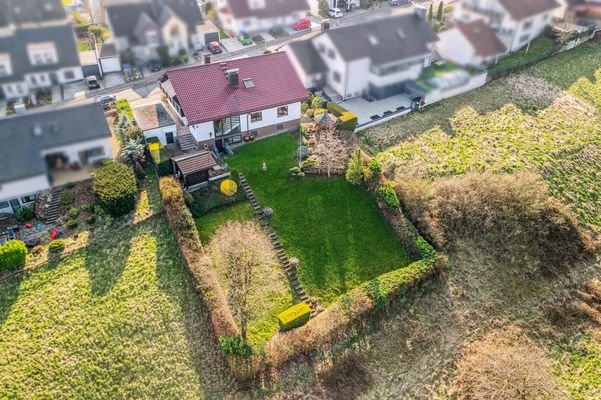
[143, 26]
[585, 10]
[260, 15]
[222, 103]
[516, 22]
[471, 43]
[37, 47]
[154, 120]
[375, 60]
[35, 148]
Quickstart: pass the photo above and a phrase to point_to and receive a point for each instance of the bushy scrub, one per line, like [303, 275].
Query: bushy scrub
[56, 246]
[512, 213]
[317, 102]
[12, 255]
[354, 172]
[116, 188]
[25, 214]
[67, 198]
[387, 194]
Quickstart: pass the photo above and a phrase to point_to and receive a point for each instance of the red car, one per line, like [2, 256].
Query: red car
[214, 47]
[304, 23]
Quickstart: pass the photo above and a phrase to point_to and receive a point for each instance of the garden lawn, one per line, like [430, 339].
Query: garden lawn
[208, 224]
[121, 320]
[333, 227]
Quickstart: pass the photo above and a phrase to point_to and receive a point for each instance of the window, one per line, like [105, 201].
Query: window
[227, 126]
[42, 53]
[331, 54]
[4, 204]
[282, 111]
[254, 133]
[33, 80]
[256, 116]
[248, 83]
[5, 65]
[524, 38]
[234, 139]
[69, 75]
[527, 24]
[336, 76]
[28, 199]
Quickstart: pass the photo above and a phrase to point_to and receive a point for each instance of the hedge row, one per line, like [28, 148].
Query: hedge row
[205, 278]
[295, 316]
[12, 255]
[347, 121]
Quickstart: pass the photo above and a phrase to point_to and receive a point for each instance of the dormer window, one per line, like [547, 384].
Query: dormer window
[42, 53]
[5, 65]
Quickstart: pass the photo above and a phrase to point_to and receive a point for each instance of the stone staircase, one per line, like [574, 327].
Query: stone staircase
[279, 250]
[186, 140]
[54, 205]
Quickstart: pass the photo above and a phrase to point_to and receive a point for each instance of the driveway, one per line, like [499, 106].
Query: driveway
[232, 45]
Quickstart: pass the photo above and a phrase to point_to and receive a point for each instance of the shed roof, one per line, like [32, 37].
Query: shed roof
[195, 162]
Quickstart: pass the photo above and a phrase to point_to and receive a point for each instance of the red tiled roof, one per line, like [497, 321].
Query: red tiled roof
[205, 94]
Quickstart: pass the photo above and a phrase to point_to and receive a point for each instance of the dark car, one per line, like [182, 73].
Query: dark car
[214, 47]
[154, 65]
[398, 2]
[92, 82]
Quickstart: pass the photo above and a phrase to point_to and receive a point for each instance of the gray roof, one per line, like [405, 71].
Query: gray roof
[20, 147]
[124, 15]
[152, 116]
[16, 45]
[523, 9]
[24, 11]
[272, 9]
[384, 40]
[308, 57]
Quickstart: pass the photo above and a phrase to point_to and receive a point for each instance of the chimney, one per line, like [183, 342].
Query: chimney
[325, 24]
[420, 11]
[233, 77]
[20, 108]
[207, 58]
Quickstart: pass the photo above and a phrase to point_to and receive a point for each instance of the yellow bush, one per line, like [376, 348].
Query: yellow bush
[295, 316]
[228, 187]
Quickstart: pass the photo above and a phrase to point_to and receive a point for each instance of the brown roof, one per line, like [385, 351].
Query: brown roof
[483, 39]
[152, 116]
[194, 162]
[522, 9]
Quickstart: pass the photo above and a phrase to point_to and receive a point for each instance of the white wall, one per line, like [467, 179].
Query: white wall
[72, 151]
[253, 24]
[23, 187]
[160, 133]
[454, 47]
[475, 82]
[356, 78]
[203, 131]
[335, 64]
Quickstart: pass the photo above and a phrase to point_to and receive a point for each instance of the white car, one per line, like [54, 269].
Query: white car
[335, 12]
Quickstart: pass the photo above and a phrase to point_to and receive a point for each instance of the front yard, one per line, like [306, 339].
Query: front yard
[333, 227]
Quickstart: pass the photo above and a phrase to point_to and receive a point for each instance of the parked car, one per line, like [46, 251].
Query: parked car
[107, 102]
[245, 38]
[214, 47]
[154, 65]
[398, 2]
[92, 82]
[335, 12]
[303, 23]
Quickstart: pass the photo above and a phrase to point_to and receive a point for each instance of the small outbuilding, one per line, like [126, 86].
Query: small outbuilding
[155, 121]
[195, 169]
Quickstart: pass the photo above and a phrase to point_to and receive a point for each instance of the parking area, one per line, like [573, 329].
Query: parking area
[232, 45]
[367, 111]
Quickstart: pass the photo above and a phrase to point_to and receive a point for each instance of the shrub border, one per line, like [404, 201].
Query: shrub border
[336, 323]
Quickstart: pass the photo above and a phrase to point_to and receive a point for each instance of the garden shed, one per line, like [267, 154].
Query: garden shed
[194, 169]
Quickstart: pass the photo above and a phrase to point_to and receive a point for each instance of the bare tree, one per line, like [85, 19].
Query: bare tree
[333, 149]
[241, 249]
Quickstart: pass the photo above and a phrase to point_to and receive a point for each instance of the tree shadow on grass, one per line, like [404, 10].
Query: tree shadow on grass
[9, 293]
[106, 261]
[176, 281]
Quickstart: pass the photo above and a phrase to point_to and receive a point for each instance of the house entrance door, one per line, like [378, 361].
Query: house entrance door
[14, 203]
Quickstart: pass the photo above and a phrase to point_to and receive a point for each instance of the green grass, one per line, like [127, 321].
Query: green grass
[270, 294]
[83, 46]
[208, 224]
[538, 48]
[334, 228]
[122, 320]
[223, 34]
[579, 369]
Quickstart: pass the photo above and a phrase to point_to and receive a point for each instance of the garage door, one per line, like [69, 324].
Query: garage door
[110, 64]
[211, 37]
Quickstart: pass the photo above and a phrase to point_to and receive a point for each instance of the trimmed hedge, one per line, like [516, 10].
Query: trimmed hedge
[347, 121]
[56, 246]
[205, 277]
[295, 316]
[12, 255]
[116, 188]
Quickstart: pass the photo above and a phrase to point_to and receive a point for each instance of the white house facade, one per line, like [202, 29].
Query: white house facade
[37, 146]
[227, 103]
[470, 44]
[252, 16]
[516, 23]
